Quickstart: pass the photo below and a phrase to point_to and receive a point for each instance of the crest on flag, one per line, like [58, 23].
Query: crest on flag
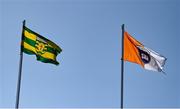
[145, 55]
[41, 47]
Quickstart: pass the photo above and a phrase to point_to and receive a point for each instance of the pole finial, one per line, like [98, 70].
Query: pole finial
[24, 21]
[122, 26]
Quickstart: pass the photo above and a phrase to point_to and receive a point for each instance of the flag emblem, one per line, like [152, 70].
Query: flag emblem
[136, 52]
[35, 44]
[145, 55]
[41, 47]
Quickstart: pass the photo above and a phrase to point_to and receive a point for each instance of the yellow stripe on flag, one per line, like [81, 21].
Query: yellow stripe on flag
[30, 35]
[48, 55]
[29, 47]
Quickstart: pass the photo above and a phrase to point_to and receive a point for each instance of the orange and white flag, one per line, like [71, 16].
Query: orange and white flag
[136, 52]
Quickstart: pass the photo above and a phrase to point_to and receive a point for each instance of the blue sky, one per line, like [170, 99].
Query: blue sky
[89, 32]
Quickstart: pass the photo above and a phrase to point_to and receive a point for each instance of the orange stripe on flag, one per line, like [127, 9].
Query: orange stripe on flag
[131, 52]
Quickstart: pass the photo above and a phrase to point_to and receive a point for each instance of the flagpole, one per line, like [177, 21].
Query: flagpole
[20, 71]
[122, 68]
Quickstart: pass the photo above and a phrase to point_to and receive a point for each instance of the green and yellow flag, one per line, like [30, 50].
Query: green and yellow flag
[35, 44]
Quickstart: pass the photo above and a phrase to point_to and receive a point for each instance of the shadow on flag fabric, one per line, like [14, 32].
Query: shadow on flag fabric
[136, 52]
[35, 44]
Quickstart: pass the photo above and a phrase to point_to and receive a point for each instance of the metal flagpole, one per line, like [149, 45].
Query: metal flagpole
[20, 71]
[122, 67]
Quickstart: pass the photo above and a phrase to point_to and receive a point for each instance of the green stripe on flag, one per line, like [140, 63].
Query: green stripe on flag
[51, 50]
[29, 41]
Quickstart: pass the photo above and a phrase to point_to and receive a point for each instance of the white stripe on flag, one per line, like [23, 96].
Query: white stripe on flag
[157, 61]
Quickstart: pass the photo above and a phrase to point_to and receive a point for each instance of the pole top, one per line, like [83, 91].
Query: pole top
[123, 26]
[24, 21]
